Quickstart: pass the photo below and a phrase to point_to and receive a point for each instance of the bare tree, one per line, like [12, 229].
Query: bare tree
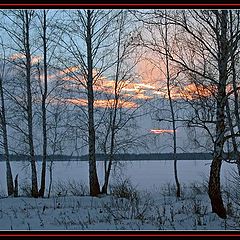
[58, 130]
[162, 45]
[50, 89]
[10, 185]
[215, 24]
[18, 30]
[87, 45]
[46, 33]
[174, 128]
[27, 16]
[93, 178]
[120, 110]
[113, 117]
[202, 48]
[44, 93]
[232, 103]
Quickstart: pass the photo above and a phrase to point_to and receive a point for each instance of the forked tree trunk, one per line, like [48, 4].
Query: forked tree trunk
[113, 115]
[107, 176]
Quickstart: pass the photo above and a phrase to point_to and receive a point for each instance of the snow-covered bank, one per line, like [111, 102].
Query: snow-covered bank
[139, 210]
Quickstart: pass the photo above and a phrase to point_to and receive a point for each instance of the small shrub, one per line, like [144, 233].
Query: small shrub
[127, 202]
[122, 208]
[168, 189]
[3, 194]
[70, 187]
[124, 189]
[199, 208]
[232, 191]
[198, 188]
[25, 189]
[60, 189]
[78, 188]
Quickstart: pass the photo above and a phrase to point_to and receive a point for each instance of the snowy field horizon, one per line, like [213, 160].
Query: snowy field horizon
[144, 174]
[153, 156]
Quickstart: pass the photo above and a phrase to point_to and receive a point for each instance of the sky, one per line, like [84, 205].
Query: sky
[147, 93]
[145, 88]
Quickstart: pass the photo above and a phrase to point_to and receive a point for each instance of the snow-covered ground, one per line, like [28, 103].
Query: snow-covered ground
[142, 198]
[144, 211]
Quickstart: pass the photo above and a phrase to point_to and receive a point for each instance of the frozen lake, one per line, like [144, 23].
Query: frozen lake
[145, 175]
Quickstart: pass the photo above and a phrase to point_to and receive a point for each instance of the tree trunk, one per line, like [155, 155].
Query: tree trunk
[234, 45]
[112, 146]
[16, 186]
[50, 178]
[93, 178]
[10, 187]
[44, 112]
[34, 190]
[214, 189]
[52, 160]
[107, 176]
[113, 116]
[178, 188]
[111, 157]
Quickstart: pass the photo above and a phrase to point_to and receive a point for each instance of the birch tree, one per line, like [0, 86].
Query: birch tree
[171, 104]
[210, 31]
[44, 93]
[203, 48]
[232, 103]
[3, 120]
[87, 45]
[46, 32]
[18, 29]
[160, 44]
[118, 131]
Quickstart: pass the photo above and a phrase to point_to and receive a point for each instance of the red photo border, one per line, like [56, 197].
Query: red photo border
[184, 233]
[119, 5]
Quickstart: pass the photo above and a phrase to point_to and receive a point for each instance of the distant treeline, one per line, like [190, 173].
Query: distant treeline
[120, 157]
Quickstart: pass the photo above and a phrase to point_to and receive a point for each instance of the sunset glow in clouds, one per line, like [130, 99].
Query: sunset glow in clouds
[150, 83]
[103, 103]
[147, 87]
[160, 131]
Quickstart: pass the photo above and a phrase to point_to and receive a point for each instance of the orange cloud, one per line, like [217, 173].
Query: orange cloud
[160, 131]
[69, 70]
[103, 103]
[192, 91]
[17, 56]
[140, 96]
